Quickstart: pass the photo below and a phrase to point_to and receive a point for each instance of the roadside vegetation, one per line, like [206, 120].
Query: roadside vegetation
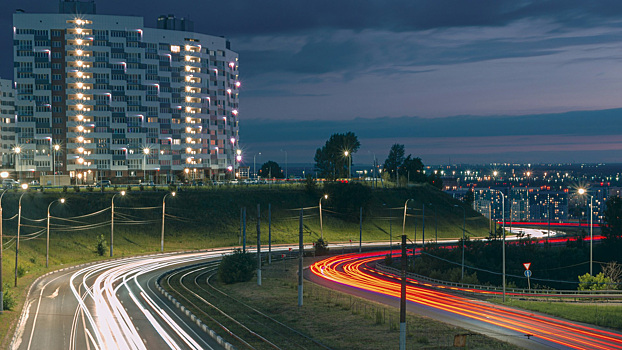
[598, 313]
[202, 218]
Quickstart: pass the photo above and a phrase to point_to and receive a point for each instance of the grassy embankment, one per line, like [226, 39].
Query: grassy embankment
[338, 320]
[607, 315]
[199, 219]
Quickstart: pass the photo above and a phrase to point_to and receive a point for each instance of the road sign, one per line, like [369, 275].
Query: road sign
[527, 265]
[527, 273]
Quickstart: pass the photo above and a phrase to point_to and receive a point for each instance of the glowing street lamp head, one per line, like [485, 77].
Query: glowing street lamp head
[325, 196]
[173, 194]
[25, 186]
[146, 150]
[346, 153]
[582, 191]
[123, 193]
[62, 200]
[17, 150]
[4, 174]
[494, 173]
[56, 147]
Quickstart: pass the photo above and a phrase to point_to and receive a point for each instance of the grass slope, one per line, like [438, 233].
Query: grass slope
[205, 218]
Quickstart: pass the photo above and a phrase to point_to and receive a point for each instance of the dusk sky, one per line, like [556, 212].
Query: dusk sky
[452, 80]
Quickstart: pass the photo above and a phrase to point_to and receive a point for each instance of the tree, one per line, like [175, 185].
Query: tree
[330, 160]
[612, 229]
[413, 169]
[613, 271]
[469, 197]
[435, 180]
[271, 169]
[394, 160]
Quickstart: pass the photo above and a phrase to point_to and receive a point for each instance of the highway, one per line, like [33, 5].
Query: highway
[110, 305]
[355, 273]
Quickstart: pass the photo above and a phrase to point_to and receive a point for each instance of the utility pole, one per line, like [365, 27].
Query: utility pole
[300, 257]
[403, 297]
[258, 245]
[361, 231]
[269, 233]
[244, 230]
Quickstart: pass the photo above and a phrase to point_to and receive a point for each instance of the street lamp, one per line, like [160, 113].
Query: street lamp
[503, 225]
[47, 244]
[18, 165]
[404, 223]
[321, 227]
[145, 153]
[254, 165]
[1, 288]
[112, 221]
[582, 191]
[463, 227]
[349, 157]
[163, 213]
[19, 225]
[56, 148]
[285, 163]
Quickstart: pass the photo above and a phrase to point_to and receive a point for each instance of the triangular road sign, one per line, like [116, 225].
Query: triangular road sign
[527, 265]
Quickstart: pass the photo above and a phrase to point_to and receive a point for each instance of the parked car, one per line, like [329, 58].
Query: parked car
[103, 183]
[9, 183]
[148, 183]
[34, 183]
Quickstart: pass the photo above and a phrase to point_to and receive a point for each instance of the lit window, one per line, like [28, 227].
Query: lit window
[175, 48]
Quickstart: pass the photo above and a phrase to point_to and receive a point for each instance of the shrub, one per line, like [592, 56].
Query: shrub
[76, 188]
[101, 245]
[321, 247]
[237, 267]
[141, 188]
[8, 301]
[388, 260]
[89, 189]
[129, 188]
[21, 271]
[598, 282]
[64, 189]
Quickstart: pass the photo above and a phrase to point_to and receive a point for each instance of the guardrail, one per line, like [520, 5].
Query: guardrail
[483, 289]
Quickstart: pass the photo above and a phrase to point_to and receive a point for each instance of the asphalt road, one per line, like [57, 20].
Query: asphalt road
[110, 305]
[353, 274]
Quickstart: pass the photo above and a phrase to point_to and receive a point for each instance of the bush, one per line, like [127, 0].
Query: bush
[598, 282]
[141, 188]
[237, 267]
[64, 189]
[76, 188]
[89, 189]
[21, 271]
[101, 245]
[321, 247]
[388, 260]
[8, 301]
[129, 188]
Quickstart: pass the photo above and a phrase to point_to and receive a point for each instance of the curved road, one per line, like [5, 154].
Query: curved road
[354, 273]
[110, 305]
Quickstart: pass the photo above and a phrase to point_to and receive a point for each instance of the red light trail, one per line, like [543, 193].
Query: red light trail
[356, 270]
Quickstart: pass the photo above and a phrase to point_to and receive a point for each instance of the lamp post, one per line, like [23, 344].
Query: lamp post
[112, 221]
[145, 153]
[285, 164]
[19, 225]
[321, 227]
[56, 148]
[503, 225]
[1, 288]
[47, 241]
[404, 223]
[18, 165]
[463, 227]
[163, 213]
[255, 165]
[582, 191]
[349, 157]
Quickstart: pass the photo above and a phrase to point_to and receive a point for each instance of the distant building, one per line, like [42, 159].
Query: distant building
[119, 99]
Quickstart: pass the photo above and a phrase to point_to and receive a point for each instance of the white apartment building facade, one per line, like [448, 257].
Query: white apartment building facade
[7, 121]
[103, 97]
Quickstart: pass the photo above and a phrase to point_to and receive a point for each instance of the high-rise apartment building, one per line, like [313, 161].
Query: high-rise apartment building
[101, 96]
[7, 121]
